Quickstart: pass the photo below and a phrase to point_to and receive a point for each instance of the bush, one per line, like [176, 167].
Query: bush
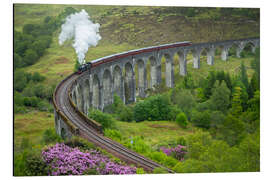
[79, 142]
[140, 171]
[126, 114]
[36, 166]
[181, 120]
[160, 170]
[113, 134]
[183, 99]
[20, 80]
[106, 120]
[37, 77]
[155, 108]
[201, 119]
[50, 136]
[31, 101]
[182, 141]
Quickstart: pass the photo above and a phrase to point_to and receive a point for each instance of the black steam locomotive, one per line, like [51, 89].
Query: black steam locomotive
[84, 67]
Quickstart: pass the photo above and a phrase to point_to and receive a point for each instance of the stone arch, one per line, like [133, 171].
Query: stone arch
[129, 83]
[63, 133]
[117, 82]
[233, 49]
[169, 70]
[80, 99]
[209, 52]
[107, 88]
[182, 63]
[223, 49]
[142, 77]
[249, 47]
[96, 92]
[86, 95]
[153, 72]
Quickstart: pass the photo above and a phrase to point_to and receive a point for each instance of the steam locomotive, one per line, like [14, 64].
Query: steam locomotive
[94, 63]
[84, 67]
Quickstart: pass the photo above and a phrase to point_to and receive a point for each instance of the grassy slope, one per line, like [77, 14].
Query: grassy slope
[122, 30]
[154, 132]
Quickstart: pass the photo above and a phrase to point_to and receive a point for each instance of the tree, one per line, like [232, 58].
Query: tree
[181, 120]
[18, 61]
[39, 47]
[30, 57]
[208, 84]
[233, 130]
[183, 99]
[201, 119]
[243, 75]
[28, 28]
[236, 109]
[220, 98]
[20, 80]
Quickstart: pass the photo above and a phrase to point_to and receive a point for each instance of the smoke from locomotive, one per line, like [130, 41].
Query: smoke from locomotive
[83, 30]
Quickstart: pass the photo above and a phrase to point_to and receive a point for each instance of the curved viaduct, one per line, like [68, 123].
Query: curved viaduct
[95, 88]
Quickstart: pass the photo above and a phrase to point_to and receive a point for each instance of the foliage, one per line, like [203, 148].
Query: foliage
[106, 120]
[76, 66]
[196, 144]
[154, 108]
[177, 152]
[183, 99]
[126, 114]
[64, 160]
[220, 98]
[188, 82]
[140, 171]
[113, 134]
[236, 102]
[233, 130]
[201, 119]
[50, 136]
[181, 120]
[160, 170]
[20, 80]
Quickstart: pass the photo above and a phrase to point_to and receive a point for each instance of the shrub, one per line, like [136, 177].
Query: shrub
[183, 99]
[35, 165]
[140, 171]
[181, 120]
[37, 77]
[201, 119]
[80, 143]
[177, 152]
[106, 120]
[20, 80]
[126, 114]
[160, 170]
[50, 136]
[113, 134]
[155, 108]
[31, 101]
[182, 141]
[65, 160]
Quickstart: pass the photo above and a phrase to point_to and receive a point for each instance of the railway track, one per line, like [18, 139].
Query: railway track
[62, 103]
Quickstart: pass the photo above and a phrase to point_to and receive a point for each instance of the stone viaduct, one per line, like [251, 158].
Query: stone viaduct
[97, 87]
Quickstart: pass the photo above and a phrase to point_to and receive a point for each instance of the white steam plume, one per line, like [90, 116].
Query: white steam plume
[83, 30]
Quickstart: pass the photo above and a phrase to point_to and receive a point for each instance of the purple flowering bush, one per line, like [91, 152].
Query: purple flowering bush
[178, 152]
[64, 160]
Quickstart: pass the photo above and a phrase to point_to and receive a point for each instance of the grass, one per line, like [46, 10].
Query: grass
[31, 126]
[154, 132]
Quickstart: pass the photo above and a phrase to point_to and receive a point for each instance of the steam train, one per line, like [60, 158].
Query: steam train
[94, 63]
